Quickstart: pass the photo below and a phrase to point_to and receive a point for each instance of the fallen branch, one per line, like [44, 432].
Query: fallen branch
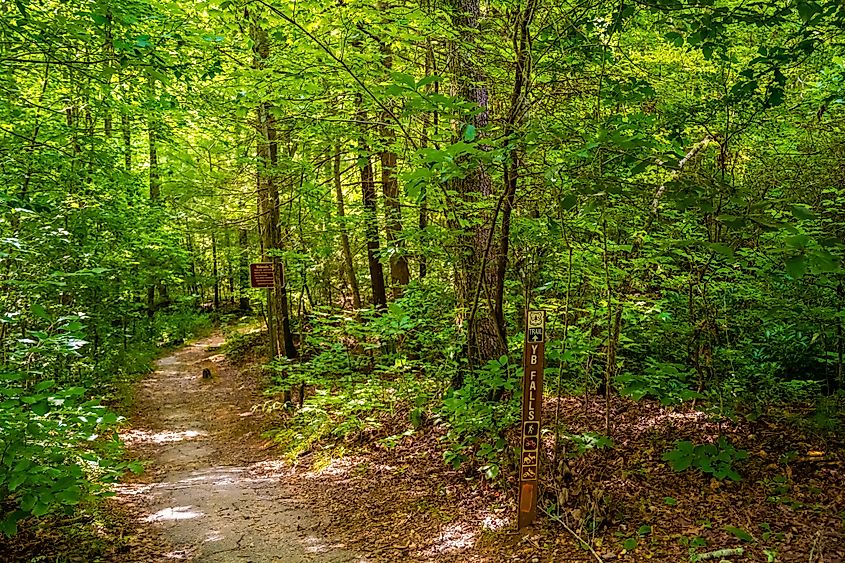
[571, 531]
[719, 553]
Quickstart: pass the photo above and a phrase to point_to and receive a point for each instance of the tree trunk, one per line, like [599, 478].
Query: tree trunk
[476, 268]
[243, 269]
[400, 275]
[344, 233]
[268, 150]
[152, 132]
[368, 191]
[516, 115]
[127, 141]
[214, 271]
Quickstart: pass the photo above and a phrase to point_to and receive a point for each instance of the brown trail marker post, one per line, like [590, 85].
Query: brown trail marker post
[534, 362]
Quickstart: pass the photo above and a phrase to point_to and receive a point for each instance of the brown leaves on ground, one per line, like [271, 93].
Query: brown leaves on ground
[405, 504]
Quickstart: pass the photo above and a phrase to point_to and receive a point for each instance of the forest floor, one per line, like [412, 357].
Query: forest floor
[212, 490]
[215, 490]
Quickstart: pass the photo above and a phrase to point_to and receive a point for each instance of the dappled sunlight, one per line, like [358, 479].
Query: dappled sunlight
[645, 423]
[341, 467]
[313, 544]
[140, 436]
[214, 536]
[454, 537]
[494, 522]
[173, 513]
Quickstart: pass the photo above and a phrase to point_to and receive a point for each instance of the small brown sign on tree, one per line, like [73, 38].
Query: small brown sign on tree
[261, 275]
[532, 402]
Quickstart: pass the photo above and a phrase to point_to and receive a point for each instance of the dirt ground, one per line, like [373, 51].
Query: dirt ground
[212, 490]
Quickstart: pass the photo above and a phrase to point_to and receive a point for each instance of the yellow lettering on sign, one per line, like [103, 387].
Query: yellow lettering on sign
[533, 386]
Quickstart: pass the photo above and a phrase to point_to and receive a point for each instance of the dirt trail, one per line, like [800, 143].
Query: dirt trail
[212, 490]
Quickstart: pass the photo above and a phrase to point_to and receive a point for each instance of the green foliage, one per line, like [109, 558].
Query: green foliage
[57, 448]
[716, 459]
[667, 382]
[477, 421]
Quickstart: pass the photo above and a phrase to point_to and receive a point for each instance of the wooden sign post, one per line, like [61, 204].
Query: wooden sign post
[532, 403]
[261, 274]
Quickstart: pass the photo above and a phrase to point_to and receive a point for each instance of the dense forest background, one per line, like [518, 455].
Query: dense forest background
[664, 178]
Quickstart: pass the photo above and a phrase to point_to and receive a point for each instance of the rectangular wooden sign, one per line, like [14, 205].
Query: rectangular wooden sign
[534, 362]
[261, 275]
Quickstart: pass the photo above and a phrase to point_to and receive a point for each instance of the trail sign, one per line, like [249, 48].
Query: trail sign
[534, 362]
[261, 274]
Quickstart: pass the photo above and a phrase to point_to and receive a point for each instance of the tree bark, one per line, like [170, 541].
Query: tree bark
[477, 274]
[344, 233]
[243, 269]
[368, 192]
[214, 271]
[400, 275]
[268, 153]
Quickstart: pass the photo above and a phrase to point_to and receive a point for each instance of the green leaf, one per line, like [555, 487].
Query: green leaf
[740, 533]
[802, 212]
[720, 248]
[796, 266]
[39, 312]
[806, 10]
[630, 544]
[798, 241]
[425, 81]
[469, 133]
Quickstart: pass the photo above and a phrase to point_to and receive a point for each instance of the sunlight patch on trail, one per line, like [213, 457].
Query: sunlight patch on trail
[139, 436]
[174, 513]
[454, 537]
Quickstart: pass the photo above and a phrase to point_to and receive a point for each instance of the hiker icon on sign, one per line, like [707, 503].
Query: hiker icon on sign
[532, 429]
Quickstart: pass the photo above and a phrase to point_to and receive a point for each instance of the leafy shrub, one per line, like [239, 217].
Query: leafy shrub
[667, 382]
[50, 449]
[476, 422]
[715, 459]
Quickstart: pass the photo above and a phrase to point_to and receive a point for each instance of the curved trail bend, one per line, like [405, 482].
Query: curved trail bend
[211, 489]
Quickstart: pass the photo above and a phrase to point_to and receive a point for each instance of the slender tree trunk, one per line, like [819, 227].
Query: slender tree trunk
[155, 186]
[280, 287]
[125, 125]
[189, 242]
[368, 191]
[344, 233]
[427, 119]
[230, 267]
[269, 195]
[152, 133]
[214, 271]
[243, 269]
[516, 115]
[400, 275]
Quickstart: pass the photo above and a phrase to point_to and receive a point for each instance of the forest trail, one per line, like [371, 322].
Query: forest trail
[211, 489]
